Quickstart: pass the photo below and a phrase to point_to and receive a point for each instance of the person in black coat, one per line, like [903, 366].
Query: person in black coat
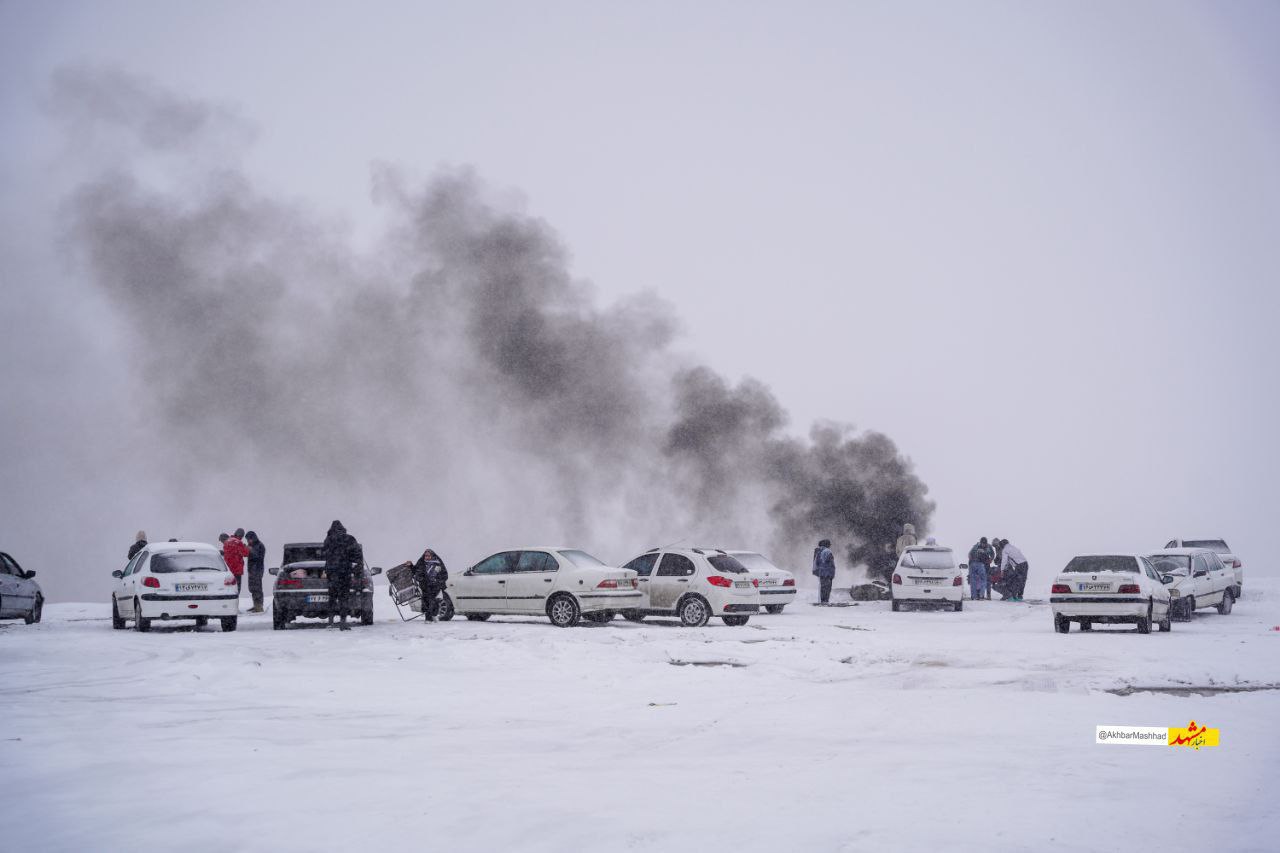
[257, 565]
[341, 554]
[138, 544]
[430, 574]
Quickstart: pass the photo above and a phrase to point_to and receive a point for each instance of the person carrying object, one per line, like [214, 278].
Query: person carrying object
[824, 567]
[257, 565]
[430, 574]
[1015, 567]
[980, 557]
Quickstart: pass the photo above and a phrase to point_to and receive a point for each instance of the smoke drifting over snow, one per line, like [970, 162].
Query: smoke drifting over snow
[455, 377]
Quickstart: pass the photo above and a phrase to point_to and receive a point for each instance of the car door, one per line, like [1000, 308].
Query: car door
[532, 581]
[670, 581]
[8, 588]
[1159, 593]
[643, 567]
[1222, 576]
[129, 583]
[24, 590]
[124, 604]
[483, 587]
[1205, 593]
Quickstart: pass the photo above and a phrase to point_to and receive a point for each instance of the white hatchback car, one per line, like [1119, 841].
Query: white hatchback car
[1195, 578]
[777, 586]
[694, 584]
[175, 580]
[1110, 588]
[563, 584]
[927, 574]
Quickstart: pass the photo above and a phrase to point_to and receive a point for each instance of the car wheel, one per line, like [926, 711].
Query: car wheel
[633, 615]
[563, 611]
[1144, 622]
[279, 617]
[893, 605]
[477, 617]
[117, 621]
[202, 621]
[228, 623]
[735, 621]
[1166, 624]
[1086, 625]
[774, 608]
[694, 612]
[33, 615]
[1228, 601]
[1062, 624]
[444, 610]
[959, 605]
[141, 624]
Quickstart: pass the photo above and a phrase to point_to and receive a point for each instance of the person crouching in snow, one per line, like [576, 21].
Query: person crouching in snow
[824, 567]
[1014, 565]
[980, 557]
[430, 574]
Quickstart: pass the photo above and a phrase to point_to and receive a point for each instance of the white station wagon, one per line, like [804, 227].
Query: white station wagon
[564, 584]
[1110, 588]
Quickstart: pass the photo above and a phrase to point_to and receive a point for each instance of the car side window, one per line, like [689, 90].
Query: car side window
[642, 565]
[1200, 564]
[4, 565]
[139, 562]
[536, 561]
[1215, 562]
[1172, 543]
[497, 564]
[14, 568]
[675, 565]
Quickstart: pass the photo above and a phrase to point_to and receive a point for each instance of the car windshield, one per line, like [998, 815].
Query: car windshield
[1217, 546]
[725, 563]
[941, 559]
[1094, 565]
[187, 561]
[755, 562]
[1171, 564]
[581, 559]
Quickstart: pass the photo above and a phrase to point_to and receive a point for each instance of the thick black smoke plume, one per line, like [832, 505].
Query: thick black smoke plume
[455, 376]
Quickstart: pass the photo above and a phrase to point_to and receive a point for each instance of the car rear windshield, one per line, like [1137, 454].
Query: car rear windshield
[725, 563]
[581, 559]
[755, 562]
[1217, 546]
[182, 561]
[929, 560]
[1171, 564]
[1093, 565]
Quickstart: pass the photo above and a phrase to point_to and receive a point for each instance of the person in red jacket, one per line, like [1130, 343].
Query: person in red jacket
[234, 551]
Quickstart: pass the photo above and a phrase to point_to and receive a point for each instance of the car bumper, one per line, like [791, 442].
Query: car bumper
[734, 604]
[161, 606]
[1099, 608]
[902, 592]
[297, 604]
[777, 596]
[598, 600]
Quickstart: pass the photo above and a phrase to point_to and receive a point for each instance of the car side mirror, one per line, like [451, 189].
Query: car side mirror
[1167, 579]
[274, 571]
[376, 570]
[964, 566]
[117, 574]
[1200, 574]
[29, 574]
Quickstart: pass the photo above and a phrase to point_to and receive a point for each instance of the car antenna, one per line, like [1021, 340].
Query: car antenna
[677, 542]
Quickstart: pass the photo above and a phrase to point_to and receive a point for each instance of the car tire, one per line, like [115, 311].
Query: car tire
[1144, 622]
[143, 625]
[735, 621]
[694, 612]
[366, 615]
[477, 617]
[563, 611]
[959, 605]
[895, 606]
[228, 623]
[1062, 624]
[1086, 625]
[633, 615]
[1228, 601]
[774, 608]
[1166, 624]
[117, 621]
[444, 610]
[279, 617]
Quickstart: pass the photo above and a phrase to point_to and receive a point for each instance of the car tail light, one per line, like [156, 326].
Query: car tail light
[716, 580]
[1235, 564]
[1060, 588]
[609, 583]
[789, 582]
[957, 581]
[154, 583]
[1128, 589]
[288, 583]
[229, 580]
[897, 578]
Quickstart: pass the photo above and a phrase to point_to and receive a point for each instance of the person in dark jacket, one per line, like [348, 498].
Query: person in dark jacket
[995, 577]
[430, 574]
[257, 565]
[824, 567]
[980, 557]
[341, 553]
[138, 544]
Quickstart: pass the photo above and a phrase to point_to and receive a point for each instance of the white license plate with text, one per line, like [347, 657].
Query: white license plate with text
[192, 587]
[317, 599]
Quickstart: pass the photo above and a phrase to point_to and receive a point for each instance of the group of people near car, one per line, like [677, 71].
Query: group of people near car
[999, 565]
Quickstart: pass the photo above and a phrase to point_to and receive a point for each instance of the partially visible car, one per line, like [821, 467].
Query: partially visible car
[175, 580]
[777, 586]
[564, 584]
[927, 574]
[1224, 552]
[302, 587]
[20, 596]
[1195, 578]
[1110, 588]
[693, 584]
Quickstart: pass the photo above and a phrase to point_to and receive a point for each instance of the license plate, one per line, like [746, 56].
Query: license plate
[1094, 587]
[928, 580]
[742, 584]
[317, 599]
[768, 582]
[192, 587]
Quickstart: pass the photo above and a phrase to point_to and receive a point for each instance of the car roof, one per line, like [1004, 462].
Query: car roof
[1181, 552]
[926, 548]
[166, 547]
[1109, 554]
[303, 545]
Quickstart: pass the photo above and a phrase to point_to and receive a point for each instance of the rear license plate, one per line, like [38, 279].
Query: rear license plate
[1095, 587]
[317, 599]
[192, 587]
[768, 582]
[928, 580]
[742, 584]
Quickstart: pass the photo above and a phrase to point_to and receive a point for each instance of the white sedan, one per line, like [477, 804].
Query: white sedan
[927, 574]
[564, 584]
[175, 580]
[1195, 578]
[1110, 588]
[1224, 552]
[777, 586]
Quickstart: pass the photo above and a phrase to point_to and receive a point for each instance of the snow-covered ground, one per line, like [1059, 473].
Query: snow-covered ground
[837, 729]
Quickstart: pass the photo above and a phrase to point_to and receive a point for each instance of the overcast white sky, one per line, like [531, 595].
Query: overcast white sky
[1034, 243]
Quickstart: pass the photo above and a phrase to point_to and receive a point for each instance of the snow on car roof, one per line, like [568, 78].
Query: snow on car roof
[926, 548]
[157, 547]
[1181, 552]
[1110, 554]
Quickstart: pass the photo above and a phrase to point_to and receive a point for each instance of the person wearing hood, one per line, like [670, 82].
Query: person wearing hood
[341, 552]
[257, 565]
[1014, 565]
[824, 567]
[430, 574]
[980, 557]
[138, 544]
[906, 540]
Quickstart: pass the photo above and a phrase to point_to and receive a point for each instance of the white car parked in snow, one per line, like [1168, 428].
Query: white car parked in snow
[1219, 547]
[175, 580]
[1110, 588]
[1195, 578]
[561, 583]
[777, 586]
[694, 584]
[927, 573]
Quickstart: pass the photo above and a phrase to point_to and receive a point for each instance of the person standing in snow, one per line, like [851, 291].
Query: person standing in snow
[995, 577]
[138, 544]
[430, 574]
[257, 565]
[980, 557]
[824, 567]
[233, 552]
[341, 552]
[906, 540]
[1015, 567]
